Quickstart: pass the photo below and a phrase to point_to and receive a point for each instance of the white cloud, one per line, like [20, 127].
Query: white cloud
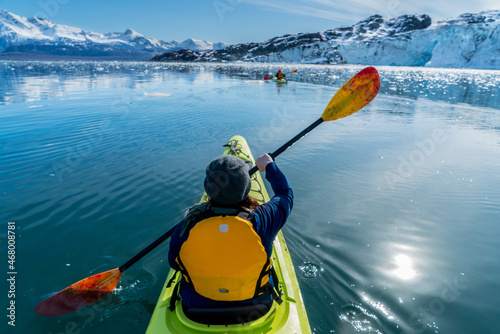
[353, 10]
[307, 8]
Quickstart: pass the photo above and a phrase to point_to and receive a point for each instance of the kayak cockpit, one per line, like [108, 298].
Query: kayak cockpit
[228, 315]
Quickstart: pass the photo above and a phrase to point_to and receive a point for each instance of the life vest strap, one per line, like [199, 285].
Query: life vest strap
[206, 210]
[175, 294]
[184, 271]
[275, 290]
[172, 279]
[265, 272]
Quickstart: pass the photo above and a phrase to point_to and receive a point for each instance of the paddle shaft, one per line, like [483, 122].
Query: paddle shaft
[148, 249]
[290, 142]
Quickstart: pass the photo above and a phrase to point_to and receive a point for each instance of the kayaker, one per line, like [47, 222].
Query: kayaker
[280, 75]
[223, 246]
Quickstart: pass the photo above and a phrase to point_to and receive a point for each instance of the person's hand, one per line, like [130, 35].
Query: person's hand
[262, 162]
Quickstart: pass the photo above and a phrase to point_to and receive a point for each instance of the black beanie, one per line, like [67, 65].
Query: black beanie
[227, 180]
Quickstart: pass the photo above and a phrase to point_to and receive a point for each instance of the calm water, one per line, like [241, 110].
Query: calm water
[395, 226]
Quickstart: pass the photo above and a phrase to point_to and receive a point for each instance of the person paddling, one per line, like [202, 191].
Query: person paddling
[223, 246]
[280, 75]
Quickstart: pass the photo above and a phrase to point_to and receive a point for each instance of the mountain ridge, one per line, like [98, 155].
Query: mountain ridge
[36, 37]
[467, 41]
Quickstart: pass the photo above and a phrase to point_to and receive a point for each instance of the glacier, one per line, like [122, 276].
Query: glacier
[468, 41]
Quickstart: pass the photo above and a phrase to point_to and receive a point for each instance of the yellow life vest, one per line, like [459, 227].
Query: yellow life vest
[280, 75]
[223, 259]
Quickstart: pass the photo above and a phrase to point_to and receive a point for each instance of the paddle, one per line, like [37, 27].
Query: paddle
[356, 93]
[351, 97]
[92, 288]
[294, 71]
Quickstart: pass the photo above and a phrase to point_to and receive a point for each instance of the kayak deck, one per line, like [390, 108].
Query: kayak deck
[282, 81]
[289, 317]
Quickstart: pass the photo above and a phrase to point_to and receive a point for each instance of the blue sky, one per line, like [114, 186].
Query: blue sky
[230, 21]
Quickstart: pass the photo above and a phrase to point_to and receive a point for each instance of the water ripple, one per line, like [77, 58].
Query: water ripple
[384, 219]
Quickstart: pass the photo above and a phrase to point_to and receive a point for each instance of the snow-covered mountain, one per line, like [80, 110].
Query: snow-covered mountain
[468, 41]
[198, 45]
[36, 37]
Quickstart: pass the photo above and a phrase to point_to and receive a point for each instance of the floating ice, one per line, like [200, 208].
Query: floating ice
[158, 94]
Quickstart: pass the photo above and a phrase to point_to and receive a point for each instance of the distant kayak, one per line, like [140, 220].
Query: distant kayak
[278, 81]
[288, 317]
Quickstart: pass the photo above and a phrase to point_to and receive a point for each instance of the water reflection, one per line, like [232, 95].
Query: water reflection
[404, 267]
[360, 319]
[382, 309]
[29, 82]
[34, 80]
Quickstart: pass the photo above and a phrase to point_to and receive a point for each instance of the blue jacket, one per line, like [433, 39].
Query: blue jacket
[268, 219]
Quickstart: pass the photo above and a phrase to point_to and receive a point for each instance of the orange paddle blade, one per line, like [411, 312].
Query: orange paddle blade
[79, 294]
[267, 78]
[356, 93]
[294, 71]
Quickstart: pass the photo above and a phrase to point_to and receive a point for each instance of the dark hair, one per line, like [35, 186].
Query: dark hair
[248, 203]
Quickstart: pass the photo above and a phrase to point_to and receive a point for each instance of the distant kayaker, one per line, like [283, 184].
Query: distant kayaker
[280, 75]
[236, 271]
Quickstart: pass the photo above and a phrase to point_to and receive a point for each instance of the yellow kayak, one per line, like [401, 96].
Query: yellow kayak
[286, 318]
